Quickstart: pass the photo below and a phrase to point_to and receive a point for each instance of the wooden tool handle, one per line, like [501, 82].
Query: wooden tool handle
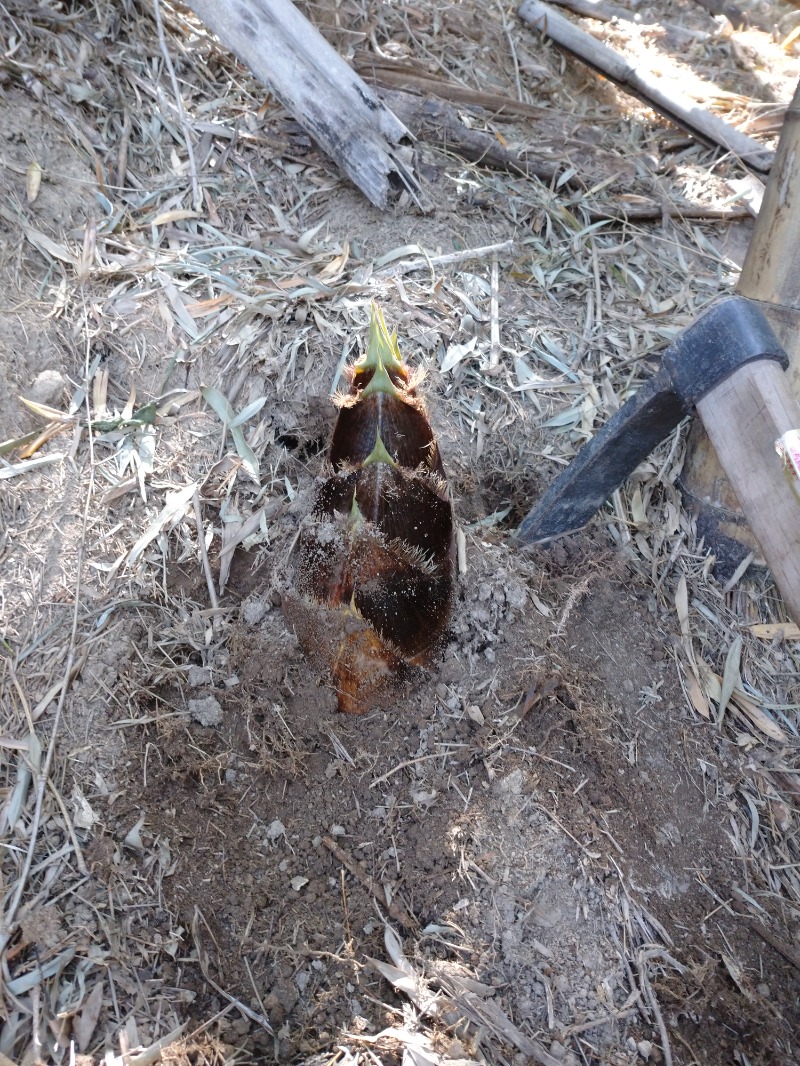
[743, 417]
[747, 413]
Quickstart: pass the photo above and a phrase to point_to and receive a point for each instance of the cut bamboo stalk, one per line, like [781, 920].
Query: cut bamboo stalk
[601, 11]
[319, 89]
[656, 92]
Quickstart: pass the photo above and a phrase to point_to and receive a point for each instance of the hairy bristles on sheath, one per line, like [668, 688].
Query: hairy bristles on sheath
[374, 570]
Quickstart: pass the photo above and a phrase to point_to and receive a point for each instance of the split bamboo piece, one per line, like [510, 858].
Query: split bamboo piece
[321, 91]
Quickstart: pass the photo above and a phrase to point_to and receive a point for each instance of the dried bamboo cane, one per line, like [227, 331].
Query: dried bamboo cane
[321, 91]
[657, 92]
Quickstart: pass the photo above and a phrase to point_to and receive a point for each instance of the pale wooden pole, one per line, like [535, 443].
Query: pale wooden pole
[663, 94]
[743, 417]
[319, 89]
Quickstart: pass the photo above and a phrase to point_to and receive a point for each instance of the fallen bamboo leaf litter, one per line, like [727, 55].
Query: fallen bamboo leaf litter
[572, 311]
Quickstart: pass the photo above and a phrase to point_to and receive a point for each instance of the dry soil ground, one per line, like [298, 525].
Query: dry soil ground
[583, 863]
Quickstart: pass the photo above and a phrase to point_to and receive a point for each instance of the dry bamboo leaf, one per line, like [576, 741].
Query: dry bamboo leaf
[744, 704]
[120, 490]
[305, 239]
[247, 412]
[682, 608]
[151, 1055]
[540, 606]
[638, 510]
[237, 531]
[750, 191]
[759, 718]
[46, 434]
[208, 307]
[712, 683]
[461, 548]
[737, 976]
[333, 270]
[738, 573]
[394, 949]
[18, 442]
[177, 215]
[48, 247]
[20, 985]
[85, 1021]
[754, 820]
[731, 678]
[416, 1056]
[133, 839]
[15, 469]
[47, 414]
[222, 408]
[695, 693]
[83, 814]
[408, 983]
[172, 510]
[17, 797]
[187, 323]
[399, 253]
[455, 353]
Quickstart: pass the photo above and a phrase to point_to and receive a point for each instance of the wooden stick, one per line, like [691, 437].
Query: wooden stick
[594, 9]
[312, 81]
[395, 909]
[402, 76]
[657, 92]
[437, 122]
[731, 13]
[790, 953]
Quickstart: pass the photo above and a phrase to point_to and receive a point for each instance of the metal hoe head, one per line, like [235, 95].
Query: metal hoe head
[726, 337]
